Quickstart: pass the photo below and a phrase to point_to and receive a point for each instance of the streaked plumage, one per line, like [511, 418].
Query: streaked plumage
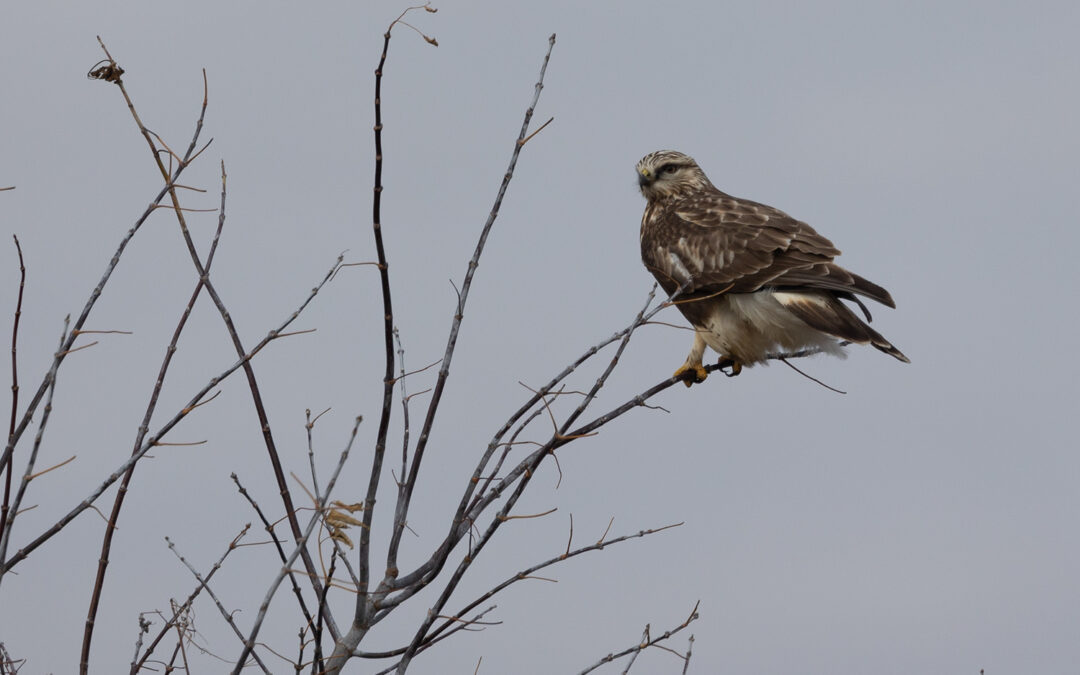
[758, 281]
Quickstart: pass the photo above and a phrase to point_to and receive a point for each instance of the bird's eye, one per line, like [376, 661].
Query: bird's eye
[669, 168]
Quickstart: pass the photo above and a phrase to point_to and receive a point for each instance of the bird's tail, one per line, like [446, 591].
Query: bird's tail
[826, 313]
[887, 347]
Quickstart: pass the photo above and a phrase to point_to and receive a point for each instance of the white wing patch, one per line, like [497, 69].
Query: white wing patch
[788, 299]
[678, 269]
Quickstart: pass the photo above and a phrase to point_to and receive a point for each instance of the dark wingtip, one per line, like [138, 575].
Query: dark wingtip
[864, 286]
[892, 351]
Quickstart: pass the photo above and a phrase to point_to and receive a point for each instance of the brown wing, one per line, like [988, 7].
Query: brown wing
[723, 243]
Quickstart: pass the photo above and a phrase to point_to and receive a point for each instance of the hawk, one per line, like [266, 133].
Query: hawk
[755, 281]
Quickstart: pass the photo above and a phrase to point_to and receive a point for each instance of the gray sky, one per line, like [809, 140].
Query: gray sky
[925, 522]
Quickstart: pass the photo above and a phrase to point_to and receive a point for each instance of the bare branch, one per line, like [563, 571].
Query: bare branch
[28, 475]
[118, 500]
[205, 585]
[180, 610]
[451, 343]
[388, 372]
[277, 545]
[528, 572]
[88, 502]
[689, 649]
[301, 545]
[648, 641]
[4, 525]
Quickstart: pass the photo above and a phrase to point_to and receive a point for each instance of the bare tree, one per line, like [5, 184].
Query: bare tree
[313, 536]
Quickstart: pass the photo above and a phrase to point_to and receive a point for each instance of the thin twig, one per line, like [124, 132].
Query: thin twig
[391, 558]
[362, 604]
[444, 372]
[633, 657]
[149, 443]
[468, 503]
[31, 408]
[459, 625]
[647, 642]
[789, 364]
[518, 477]
[205, 585]
[277, 545]
[4, 525]
[31, 476]
[28, 474]
[151, 406]
[180, 610]
[528, 572]
[144, 628]
[689, 650]
[301, 545]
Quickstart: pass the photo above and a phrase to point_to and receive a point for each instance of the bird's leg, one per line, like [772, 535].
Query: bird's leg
[693, 366]
[728, 362]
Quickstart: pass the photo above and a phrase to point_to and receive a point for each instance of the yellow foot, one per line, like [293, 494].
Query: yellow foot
[691, 373]
[726, 362]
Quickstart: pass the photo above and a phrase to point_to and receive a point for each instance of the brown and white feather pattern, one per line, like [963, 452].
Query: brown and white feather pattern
[758, 281]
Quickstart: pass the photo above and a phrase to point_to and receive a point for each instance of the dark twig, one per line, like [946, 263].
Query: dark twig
[470, 505]
[444, 371]
[789, 364]
[144, 628]
[152, 440]
[641, 398]
[205, 585]
[518, 478]
[180, 610]
[527, 572]
[521, 474]
[502, 458]
[388, 371]
[277, 545]
[249, 372]
[448, 626]
[317, 631]
[689, 650]
[31, 408]
[29, 475]
[9, 665]
[600, 381]
[301, 545]
[633, 657]
[646, 642]
[4, 525]
[391, 557]
[140, 435]
[308, 427]
[459, 625]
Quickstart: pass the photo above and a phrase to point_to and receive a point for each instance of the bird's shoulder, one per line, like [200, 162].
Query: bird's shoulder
[734, 223]
[727, 242]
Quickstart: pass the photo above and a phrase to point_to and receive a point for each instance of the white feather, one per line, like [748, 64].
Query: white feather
[750, 326]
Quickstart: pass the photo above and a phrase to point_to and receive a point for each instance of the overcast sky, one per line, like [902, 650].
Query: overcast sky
[925, 522]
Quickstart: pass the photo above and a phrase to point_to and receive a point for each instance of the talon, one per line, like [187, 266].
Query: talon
[726, 362]
[697, 373]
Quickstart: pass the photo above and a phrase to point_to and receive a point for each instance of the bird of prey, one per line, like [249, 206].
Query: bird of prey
[755, 282]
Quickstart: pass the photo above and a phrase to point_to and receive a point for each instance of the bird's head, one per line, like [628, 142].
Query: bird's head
[666, 174]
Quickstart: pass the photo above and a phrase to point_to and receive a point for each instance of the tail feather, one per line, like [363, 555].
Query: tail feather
[886, 346]
[824, 312]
